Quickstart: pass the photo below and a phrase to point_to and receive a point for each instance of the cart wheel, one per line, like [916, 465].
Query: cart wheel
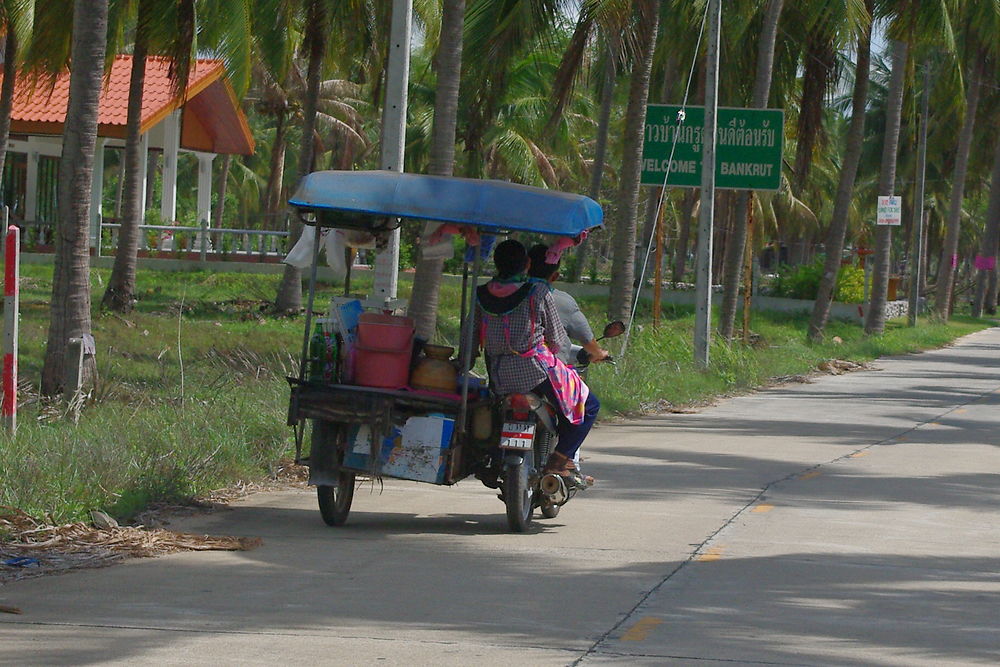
[549, 509]
[517, 496]
[335, 501]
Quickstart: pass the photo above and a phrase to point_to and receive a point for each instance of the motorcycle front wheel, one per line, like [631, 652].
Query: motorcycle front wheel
[518, 496]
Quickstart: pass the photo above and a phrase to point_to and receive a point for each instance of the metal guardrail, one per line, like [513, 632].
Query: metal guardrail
[208, 243]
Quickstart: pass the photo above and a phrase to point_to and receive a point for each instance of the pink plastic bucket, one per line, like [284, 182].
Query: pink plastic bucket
[383, 351]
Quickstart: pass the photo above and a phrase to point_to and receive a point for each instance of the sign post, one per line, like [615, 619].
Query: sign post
[394, 135]
[890, 211]
[12, 258]
[706, 215]
[748, 144]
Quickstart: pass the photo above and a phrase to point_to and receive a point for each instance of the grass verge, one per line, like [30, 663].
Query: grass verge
[191, 395]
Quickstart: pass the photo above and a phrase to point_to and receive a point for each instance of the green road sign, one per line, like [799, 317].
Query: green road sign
[747, 150]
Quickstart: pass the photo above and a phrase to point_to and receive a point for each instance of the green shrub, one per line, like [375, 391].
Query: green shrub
[799, 282]
[802, 282]
[850, 285]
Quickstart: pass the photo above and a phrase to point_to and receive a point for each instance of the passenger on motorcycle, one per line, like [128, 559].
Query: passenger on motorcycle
[573, 320]
[520, 332]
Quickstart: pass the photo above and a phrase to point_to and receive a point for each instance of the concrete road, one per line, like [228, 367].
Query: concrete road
[850, 520]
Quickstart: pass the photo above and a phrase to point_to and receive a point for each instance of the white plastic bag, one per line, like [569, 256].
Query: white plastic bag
[335, 259]
[443, 249]
[300, 256]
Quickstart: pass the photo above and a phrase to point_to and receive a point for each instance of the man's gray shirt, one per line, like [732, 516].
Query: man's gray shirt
[573, 320]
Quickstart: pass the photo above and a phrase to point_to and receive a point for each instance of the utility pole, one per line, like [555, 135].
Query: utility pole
[916, 261]
[394, 134]
[706, 216]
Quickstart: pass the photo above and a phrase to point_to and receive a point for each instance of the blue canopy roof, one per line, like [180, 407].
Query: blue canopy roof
[489, 205]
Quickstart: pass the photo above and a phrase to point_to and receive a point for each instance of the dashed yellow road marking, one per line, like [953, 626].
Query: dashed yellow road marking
[641, 629]
[763, 507]
[858, 455]
[810, 474]
[960, 410]
[711, 555]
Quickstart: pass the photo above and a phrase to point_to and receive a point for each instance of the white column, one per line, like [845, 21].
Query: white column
[394, 133]
[171, 141]
[205, 187]
[97, 192]
[143, 167]
[204, 241]
[31, 185]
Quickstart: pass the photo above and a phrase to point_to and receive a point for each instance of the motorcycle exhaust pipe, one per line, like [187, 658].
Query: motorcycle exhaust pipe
[554, 488]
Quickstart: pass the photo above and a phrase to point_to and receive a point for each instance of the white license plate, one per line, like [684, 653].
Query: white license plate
[517, 435]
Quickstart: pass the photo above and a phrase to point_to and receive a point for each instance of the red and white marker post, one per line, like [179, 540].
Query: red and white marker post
[12, 259]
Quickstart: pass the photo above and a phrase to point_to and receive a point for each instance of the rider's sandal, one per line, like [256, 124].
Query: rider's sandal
[565, 467]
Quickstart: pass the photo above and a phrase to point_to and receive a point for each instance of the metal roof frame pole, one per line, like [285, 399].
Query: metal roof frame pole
[706, 216]
[394, 134]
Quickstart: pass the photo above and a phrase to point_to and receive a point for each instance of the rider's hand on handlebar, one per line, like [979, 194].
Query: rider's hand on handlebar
[595, 352]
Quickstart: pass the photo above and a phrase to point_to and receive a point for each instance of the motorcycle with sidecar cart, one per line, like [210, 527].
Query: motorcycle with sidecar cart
[356, 384]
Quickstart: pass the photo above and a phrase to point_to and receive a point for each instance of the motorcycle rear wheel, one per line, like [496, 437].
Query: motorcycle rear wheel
[518, 496]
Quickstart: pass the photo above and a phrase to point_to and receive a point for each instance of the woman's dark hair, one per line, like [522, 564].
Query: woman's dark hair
[539, 267]
[510, 258]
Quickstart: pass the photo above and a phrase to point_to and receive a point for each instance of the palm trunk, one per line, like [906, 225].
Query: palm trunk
[120, 294]
[683, 236]
[276, 177]
[949, 253]
[70, 305]
[221, 187]
[600, 155]
[623, 270]
[7, 90]
[736, 242]
[289, 299]
[991, 238]
[875, 319]
[427, 279]
[848, 173]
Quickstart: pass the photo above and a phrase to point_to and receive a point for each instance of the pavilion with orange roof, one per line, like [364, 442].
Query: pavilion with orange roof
[205, 119]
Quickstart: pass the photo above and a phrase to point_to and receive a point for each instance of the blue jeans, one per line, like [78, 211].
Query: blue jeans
[571, 436]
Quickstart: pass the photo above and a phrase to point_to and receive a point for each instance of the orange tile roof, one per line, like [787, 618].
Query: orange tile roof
[41, 110]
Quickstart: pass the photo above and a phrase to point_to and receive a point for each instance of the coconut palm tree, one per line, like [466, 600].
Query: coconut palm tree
[168, 28]
[911, 22]
[647, 17]
[317, 15]
[990, 240]
[736, 241]
[980, 39]
[15, 24]
[875, 318]
[852, 156]
[448, 65]
[358, 22]
[70, 303]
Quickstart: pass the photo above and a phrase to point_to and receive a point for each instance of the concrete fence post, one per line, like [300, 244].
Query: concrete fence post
[11, 306]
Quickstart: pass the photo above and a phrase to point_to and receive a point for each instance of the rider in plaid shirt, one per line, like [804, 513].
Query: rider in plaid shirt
[519, 329]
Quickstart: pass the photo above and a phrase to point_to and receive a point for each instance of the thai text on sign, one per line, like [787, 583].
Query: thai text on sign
[749, 146]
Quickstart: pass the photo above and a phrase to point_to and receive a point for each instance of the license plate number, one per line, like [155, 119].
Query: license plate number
[517, 435]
